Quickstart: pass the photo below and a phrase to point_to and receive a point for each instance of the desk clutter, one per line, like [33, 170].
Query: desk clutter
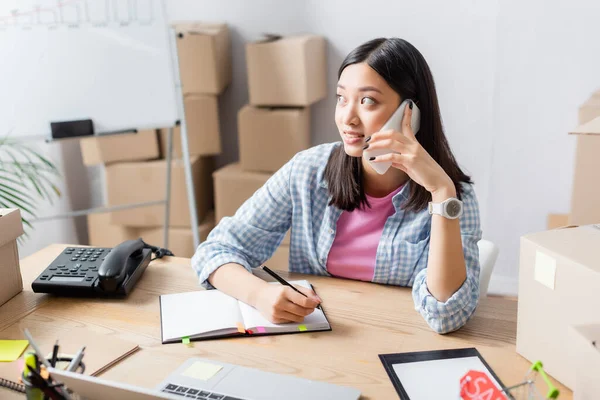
[28, 356]
[59, 375]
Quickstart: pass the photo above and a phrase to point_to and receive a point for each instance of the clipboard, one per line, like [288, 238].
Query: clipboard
[434, 374]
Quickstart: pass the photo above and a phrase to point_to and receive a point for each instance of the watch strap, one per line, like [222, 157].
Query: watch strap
[436, 208]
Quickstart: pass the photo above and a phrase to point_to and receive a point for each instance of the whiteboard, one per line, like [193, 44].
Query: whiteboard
[111, 61]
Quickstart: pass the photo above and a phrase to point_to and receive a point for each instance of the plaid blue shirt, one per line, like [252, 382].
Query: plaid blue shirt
[297, 197]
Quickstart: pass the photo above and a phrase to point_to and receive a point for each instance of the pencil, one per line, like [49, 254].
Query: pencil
[283, 281]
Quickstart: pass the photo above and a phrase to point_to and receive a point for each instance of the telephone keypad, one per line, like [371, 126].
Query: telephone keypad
[73, 263]
[74, 272]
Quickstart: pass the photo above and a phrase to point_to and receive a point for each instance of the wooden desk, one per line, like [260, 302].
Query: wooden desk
[367, 320]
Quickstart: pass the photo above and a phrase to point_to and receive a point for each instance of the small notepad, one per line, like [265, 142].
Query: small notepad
[210, 314]
[10, 350]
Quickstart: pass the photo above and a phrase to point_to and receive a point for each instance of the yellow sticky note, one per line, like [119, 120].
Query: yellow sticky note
[302, 328]
[10, 350]
[185, 340]
[240, 328]
[202, 370]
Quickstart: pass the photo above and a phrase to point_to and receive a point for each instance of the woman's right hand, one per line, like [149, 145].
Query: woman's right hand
[281, 304]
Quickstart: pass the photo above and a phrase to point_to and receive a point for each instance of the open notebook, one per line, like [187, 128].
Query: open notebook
[210, 314]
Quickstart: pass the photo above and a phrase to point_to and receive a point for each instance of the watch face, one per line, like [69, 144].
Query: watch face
[453, 208]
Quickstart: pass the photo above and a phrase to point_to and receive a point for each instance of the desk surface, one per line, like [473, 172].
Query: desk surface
[367, 319]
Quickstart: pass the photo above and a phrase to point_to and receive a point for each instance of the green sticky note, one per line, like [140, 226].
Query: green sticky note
[10, 350]
[186, 340]
[302, 328]
[202, 370]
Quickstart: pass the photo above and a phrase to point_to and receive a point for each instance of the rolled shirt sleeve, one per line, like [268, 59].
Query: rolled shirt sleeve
[252, 235]
[448, 316]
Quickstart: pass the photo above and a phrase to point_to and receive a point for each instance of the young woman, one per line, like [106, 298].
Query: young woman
[349, 221]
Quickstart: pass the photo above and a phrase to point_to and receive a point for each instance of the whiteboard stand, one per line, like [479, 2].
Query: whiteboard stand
[189, 182]
[168, 189]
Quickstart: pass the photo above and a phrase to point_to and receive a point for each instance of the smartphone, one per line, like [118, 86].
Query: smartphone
[395, 123]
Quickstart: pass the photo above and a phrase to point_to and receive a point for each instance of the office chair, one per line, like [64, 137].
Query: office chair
[488, 253]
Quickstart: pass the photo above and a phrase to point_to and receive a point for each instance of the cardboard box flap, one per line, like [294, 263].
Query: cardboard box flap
[11, 226]
[557, 221]
[590, 333]
[593, 99]
[589, 128]
[269, 38]
[581, 244]
[199, 28]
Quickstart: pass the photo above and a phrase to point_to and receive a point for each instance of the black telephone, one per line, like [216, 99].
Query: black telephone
[94, 271]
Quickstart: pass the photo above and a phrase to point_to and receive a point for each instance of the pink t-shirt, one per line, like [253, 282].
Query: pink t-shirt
[354, 249]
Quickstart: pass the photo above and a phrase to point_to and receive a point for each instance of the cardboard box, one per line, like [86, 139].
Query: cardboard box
[270, 137]
[128, 183]
[559, 278]
[120, 147]
[204, 137]
[584, 345]
[590, 109]
[11, 228]
[585, 195]
[204, 52]
[287, 71]
[103, 233]
[181, 240]
[280, 259]
[233, 187]
[554, 221]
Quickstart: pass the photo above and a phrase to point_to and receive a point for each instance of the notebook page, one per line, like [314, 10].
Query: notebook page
[196, 313]
[254, 320]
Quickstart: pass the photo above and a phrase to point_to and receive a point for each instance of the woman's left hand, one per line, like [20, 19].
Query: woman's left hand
[409, 156]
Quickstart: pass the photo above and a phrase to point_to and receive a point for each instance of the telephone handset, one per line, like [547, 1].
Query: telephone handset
[92, 271]
[395, 123]
[120, 263]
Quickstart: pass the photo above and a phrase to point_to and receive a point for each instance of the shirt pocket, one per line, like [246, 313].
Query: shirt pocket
[408, 258]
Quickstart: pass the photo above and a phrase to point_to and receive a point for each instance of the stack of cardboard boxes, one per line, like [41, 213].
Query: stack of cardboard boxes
[559, 276]
[135, 164]
[285, 76]
[585, 194]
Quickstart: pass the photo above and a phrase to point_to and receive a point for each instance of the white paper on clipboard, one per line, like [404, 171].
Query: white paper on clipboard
[434, 374]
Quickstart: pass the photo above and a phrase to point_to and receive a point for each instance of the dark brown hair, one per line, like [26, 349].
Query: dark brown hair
[406, 71]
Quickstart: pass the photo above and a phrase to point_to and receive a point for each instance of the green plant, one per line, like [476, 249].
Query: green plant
[26, 177]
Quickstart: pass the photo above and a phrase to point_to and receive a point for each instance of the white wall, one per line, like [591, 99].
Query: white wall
[510, 76]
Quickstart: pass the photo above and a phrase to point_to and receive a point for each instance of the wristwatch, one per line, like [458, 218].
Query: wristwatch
[451, 208]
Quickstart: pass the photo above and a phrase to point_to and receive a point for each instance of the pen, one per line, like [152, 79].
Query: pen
[76, 360]
[54, 354]
[283, 281]
[36, 348]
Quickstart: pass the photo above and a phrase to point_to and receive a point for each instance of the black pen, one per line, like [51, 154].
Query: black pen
[284, 282]
[54, 355]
